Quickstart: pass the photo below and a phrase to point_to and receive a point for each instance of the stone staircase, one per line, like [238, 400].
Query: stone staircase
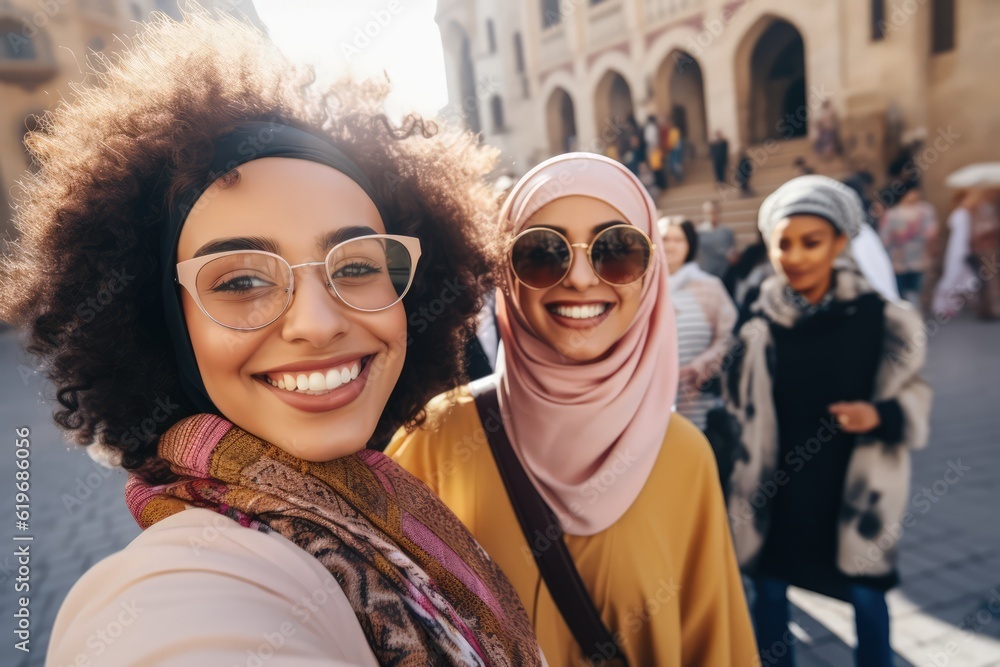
[740, 213]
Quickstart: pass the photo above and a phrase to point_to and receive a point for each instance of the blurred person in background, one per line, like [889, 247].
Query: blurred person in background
[744, 171]
[705, 319]
[827, 128]
[675, 150]
[958, 275]
[827, 398]
[716, 242]
[802, 167]
[586, 380]
[718, 150]
[744, 277]
[984, 209]
[906, 229]
[651, 133]
[666, 127]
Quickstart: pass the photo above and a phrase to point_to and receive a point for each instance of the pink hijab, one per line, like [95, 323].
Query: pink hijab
[588, 434]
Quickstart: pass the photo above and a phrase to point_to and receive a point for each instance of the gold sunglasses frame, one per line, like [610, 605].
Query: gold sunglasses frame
[588, 248]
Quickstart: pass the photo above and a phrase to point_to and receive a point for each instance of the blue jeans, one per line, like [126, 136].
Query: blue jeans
[777, 644]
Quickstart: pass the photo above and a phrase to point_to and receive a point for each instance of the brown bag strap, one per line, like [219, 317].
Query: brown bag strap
[541, 527]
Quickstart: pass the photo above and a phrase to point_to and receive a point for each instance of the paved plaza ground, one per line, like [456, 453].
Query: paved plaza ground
[946, 613]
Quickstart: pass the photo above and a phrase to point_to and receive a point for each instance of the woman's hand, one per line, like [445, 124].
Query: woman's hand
[856, 416]
[689, 378]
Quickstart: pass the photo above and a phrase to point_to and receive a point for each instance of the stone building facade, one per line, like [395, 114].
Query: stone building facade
[539, 76]
[44, 45]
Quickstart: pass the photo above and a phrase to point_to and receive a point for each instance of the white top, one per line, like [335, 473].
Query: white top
[198, 589]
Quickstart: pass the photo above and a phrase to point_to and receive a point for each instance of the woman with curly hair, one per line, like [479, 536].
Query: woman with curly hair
[278, 258]
[570, 459]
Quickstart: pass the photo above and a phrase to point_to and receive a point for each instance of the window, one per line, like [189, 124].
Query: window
[491, 36]
[518, 53]
[550, 13]
[170, 8]
[879, 26]
[496, 110]
[15, 43]
[942, 25]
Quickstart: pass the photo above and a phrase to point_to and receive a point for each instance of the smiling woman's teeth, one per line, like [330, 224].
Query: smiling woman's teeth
[580, 312]
[316, 382]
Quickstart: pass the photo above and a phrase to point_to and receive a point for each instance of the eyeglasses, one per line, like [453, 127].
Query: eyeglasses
[250, 289]
[541, 258]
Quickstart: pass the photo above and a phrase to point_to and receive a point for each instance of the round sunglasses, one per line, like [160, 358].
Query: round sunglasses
[541, 257]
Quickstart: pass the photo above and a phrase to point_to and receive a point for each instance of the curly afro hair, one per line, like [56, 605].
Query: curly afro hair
[82, 281]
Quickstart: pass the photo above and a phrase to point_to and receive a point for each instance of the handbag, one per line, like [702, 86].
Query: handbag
[536, 518]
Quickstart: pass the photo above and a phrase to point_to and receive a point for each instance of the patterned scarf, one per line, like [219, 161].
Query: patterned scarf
[422, 588]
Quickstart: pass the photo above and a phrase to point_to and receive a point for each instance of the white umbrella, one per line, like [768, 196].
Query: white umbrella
[982, 175]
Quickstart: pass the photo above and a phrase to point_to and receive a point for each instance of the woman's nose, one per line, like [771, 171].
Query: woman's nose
[315, 314]
[581, 275]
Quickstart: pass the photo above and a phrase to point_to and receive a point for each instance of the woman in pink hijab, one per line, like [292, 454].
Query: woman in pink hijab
[574, 441]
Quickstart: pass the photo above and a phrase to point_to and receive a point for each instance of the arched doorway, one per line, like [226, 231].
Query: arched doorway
[560, 117]
[613, 106]
[774, 103]
[461, 76]
[679, 93]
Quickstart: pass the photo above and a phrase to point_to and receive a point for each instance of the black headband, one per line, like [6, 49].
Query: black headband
[248, 141]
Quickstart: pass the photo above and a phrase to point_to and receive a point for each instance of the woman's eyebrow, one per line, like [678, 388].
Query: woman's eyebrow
[238, 243]
[595, 230]
[330, 239]
[267, 244]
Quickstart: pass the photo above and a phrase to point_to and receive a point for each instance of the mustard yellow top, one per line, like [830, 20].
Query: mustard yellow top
[664, 576]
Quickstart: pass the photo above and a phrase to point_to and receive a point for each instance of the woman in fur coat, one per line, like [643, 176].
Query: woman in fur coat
[827, 400]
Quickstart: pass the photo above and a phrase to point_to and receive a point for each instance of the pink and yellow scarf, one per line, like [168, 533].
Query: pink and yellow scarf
[422, 588]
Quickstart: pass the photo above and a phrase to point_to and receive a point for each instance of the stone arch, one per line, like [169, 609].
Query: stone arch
[679, 96]
[771, 81]
[599, 116]
[560, 117]
[613, 105]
